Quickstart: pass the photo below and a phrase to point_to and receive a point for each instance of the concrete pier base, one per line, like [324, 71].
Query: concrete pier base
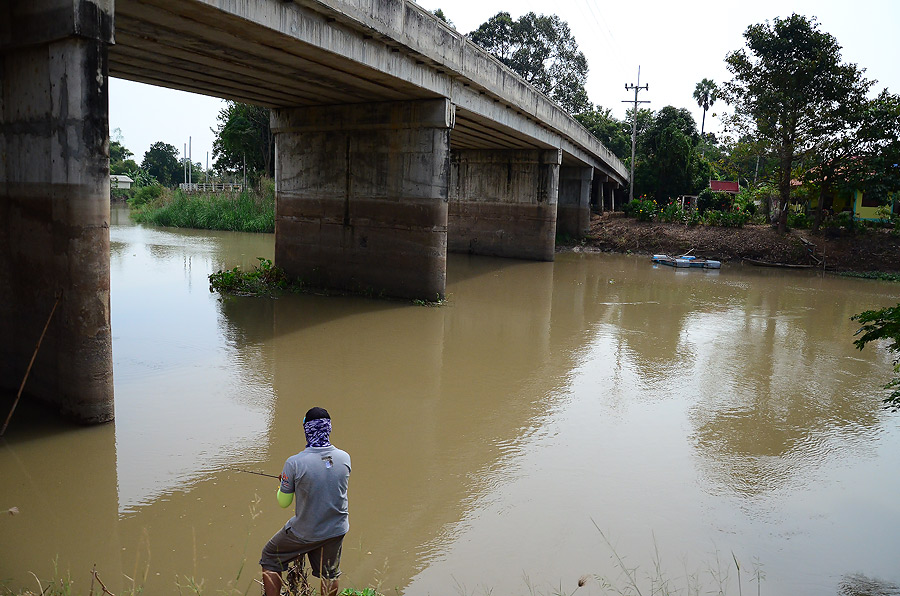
[573, 217]
[504, 203]
[54, 203]
[361, 196]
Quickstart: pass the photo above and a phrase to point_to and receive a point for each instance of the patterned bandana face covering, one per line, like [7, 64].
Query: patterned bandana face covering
[317, 432]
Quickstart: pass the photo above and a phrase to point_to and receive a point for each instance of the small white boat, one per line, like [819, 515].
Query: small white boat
[686, 262]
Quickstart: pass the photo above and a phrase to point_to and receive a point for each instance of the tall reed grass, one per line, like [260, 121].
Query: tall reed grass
[246, 212]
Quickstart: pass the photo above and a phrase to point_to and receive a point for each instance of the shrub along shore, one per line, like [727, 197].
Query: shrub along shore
[249, 211]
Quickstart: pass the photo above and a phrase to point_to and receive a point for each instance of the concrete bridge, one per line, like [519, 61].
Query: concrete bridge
[396, 141]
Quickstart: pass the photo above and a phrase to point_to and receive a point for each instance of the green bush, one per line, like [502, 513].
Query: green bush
[799, 220]
[641, 209]
[693, 217]
[746, 201]
[120, 194]
[718, 201]
[672, 213]
[146, 195]
[725, 219]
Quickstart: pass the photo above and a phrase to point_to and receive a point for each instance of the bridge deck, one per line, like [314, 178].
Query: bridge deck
[326, 52]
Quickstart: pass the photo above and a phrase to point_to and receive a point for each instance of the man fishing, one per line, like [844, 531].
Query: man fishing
[318, 476]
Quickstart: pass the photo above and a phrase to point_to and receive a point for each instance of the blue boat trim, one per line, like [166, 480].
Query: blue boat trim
[686, 262]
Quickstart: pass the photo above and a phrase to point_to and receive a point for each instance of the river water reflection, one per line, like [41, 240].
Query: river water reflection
[695, 413]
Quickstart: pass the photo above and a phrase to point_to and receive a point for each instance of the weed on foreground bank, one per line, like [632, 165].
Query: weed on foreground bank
[728, 577]
[722, 578]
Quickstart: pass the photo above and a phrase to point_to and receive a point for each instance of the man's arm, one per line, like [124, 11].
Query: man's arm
[285, 494]
[284, 499]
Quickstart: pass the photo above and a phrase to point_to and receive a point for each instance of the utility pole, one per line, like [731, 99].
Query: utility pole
[637, 88]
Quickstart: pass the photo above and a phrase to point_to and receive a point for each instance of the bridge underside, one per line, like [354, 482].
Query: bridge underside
[377, 175]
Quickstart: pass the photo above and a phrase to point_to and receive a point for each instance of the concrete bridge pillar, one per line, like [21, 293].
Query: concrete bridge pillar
[597, 192]
[504, 202]
[618, 196]
[361, 196]
[573, 216]
[54, 203]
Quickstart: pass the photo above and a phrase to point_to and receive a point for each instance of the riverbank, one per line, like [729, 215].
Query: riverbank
[868, 250]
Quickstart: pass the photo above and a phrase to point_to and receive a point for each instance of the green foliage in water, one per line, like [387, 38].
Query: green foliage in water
[263, 280]
[880, 275]
[883, 324]
[246, 212]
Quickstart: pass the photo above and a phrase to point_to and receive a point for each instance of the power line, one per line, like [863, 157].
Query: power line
[637, 89]
[601, 24]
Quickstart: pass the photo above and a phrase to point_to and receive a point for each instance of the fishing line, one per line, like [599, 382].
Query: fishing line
[252, 472]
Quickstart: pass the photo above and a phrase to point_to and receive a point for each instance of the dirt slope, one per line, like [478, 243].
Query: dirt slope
[869, 250]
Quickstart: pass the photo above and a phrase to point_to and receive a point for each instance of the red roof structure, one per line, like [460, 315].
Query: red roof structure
[725, 186]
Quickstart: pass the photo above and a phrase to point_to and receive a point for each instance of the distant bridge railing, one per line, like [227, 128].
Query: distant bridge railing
[210, 187]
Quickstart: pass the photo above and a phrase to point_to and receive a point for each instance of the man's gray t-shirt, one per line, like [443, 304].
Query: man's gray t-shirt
[318, 477]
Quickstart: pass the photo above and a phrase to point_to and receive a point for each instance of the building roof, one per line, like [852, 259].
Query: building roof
[725, 186]
[120, 178]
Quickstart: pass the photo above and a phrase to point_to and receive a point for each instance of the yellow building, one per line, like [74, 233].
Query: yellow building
[872, 210]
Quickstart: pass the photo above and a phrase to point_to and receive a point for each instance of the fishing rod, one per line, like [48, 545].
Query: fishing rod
[252, 472]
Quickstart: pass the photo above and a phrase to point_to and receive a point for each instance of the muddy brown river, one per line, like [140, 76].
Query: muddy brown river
[550, 422]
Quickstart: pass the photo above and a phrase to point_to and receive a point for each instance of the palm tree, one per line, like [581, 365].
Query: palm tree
[705, 93]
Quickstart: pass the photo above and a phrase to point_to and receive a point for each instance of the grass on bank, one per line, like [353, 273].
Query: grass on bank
[249, 211]
[722, 578]
[296, 583]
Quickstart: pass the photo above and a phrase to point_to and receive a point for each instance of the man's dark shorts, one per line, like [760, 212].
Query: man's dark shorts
[284, 547]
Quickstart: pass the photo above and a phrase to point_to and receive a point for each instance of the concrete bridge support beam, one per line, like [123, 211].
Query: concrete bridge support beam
[504, 202]
[597, 192]
[54, 203]
[573, 217]
[609, 199]
[361, 195]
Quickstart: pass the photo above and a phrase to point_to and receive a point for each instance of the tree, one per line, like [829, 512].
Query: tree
[120, 161]
[877, 171]
[123, 167]
[161, 161]
[883, 324]
[705, 95]
[440, 14]
[645, 117]
[243, 133]
[668, 165]
[788, 86]
[118, 152]
[611, 132]
[542, 51]
[851, 146]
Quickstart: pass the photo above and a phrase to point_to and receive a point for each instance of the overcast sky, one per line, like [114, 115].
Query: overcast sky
[675, 44]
